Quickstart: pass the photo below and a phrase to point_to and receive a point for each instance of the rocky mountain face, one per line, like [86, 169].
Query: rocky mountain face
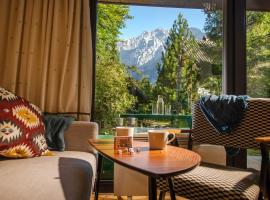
[144, 51]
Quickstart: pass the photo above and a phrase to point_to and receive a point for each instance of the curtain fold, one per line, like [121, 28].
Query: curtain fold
[46, 53]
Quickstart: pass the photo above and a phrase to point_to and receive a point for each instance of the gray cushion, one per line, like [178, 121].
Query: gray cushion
[67, 175]
[215, 182]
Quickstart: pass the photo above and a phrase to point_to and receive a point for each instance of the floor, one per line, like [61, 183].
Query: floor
[254, 162]
[112, 197]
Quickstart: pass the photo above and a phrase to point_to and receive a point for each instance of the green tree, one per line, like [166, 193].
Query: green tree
[143, 91]
[178, 71]
[258, 53]
[112, 95]
[258, 50]
[111, 19]
[213, 26]
[213, 30]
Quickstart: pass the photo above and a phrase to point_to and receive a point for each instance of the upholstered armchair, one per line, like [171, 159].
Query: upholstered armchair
[209, 181]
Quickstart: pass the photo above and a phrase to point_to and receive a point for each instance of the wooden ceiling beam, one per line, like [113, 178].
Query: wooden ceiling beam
[162, 3]
[258, 5]
[252, 5]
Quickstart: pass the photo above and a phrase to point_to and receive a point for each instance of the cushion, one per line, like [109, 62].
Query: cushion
[55, 129]
[21, 127]
[68, 175]
[210, 181]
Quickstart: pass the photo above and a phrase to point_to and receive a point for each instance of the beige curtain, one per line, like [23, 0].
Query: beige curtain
[46, 53]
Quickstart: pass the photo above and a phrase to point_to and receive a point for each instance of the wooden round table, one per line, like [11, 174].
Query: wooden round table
[153, 163]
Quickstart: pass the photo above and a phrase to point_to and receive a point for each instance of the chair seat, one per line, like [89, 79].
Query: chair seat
[215, 182]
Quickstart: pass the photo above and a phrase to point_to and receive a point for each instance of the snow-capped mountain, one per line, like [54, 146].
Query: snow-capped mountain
[145, 51]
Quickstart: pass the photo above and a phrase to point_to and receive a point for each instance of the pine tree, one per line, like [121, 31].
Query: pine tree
[178, 72]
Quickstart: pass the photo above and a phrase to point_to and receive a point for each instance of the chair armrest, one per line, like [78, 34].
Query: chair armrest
[263, 139]
[77, 135]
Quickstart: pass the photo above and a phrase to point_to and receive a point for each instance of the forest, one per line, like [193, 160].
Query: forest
[182, 74]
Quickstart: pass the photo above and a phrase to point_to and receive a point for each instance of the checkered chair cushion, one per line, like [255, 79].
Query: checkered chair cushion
[214, 182]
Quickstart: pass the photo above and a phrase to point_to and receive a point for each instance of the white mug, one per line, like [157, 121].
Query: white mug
[158, 139]
[124, 131]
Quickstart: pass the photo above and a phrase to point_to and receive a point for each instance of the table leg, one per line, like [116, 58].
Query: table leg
[152, 188]
[170, 184]
[99, 166]
[162, 195]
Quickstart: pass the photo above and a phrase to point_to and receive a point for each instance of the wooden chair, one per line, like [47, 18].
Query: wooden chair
[209, 181]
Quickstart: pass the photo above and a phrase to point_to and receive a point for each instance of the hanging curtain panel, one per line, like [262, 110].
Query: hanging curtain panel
[46, 54]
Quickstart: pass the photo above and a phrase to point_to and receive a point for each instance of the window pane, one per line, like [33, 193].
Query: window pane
[144, 52]
[258, 53]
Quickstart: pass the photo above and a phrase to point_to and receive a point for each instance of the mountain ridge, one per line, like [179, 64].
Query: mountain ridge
[145, 50]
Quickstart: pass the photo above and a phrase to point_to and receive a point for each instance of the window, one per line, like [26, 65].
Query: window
[144, 52]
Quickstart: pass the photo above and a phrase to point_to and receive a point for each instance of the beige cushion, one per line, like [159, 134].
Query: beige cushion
[67, 175]
[77, 135]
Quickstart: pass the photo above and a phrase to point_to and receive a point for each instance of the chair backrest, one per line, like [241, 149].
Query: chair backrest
[255, 123]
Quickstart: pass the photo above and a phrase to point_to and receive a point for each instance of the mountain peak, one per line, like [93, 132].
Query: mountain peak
[139, 50]
[145, 50]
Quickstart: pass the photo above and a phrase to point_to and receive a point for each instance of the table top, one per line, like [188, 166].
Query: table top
[156, 163]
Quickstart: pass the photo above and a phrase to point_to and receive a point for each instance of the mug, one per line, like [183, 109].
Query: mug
[124, 131]
[158, 139]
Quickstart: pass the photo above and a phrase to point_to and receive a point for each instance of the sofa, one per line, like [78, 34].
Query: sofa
[66, 175]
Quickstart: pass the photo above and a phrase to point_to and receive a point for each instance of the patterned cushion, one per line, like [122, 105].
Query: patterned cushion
[21, 127]
[215, 182]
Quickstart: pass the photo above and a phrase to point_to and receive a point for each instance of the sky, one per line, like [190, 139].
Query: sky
[149, 18]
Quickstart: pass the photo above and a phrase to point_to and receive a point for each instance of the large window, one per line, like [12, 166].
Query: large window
[144, 52]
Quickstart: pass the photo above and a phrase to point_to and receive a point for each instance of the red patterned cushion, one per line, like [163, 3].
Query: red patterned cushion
[21, 127]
